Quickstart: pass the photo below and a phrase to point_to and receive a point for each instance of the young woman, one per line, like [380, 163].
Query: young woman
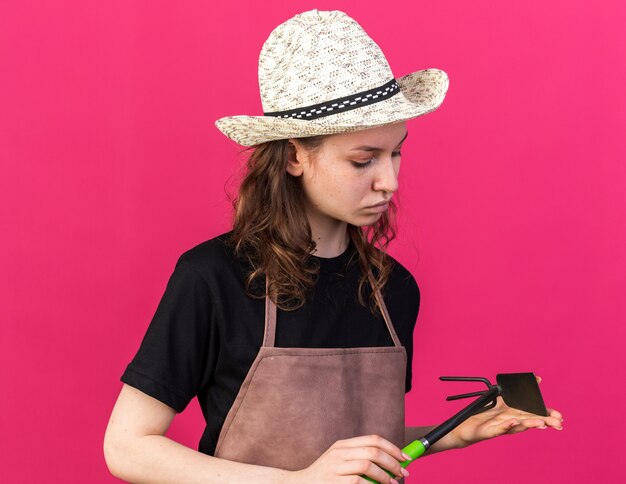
[294, 329]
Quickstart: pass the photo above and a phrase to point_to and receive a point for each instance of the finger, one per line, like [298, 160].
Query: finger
[499, 428]
[555, 413]
[531, 423]
[363, 467]
[554, 422]
[372, 454]
[549, 421]
[538, 378]
[508, 425]
[373, 441]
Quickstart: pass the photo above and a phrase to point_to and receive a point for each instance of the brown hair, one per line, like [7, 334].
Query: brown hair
[270, 231]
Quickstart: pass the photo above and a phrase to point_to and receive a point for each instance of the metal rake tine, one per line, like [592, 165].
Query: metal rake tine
[467, 378]
[466, 395]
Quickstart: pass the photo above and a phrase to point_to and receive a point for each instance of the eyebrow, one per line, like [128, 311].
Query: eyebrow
[375, 148]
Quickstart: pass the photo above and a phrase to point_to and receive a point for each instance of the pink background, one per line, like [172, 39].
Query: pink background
[512, 208]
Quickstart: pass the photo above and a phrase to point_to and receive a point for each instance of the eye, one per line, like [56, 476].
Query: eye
[356, 164]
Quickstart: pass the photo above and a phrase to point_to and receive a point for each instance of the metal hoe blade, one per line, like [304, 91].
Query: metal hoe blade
[521, 391]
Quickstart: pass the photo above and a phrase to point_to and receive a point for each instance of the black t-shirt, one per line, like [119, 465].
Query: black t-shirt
[206, 331]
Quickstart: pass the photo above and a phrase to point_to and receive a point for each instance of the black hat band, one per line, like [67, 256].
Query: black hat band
[342, 104]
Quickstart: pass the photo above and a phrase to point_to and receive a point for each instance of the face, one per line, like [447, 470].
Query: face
[349, 174]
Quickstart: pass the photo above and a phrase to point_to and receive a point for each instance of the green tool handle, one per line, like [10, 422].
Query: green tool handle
[414, 450]
[417, 448]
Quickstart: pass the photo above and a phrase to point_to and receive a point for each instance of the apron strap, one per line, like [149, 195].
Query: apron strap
[269, 336]
[270, 317]
[383, 309]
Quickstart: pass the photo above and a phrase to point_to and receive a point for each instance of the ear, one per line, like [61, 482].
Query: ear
[296, 156]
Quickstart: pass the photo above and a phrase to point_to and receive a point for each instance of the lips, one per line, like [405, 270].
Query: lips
[380, 204]
[381, 207]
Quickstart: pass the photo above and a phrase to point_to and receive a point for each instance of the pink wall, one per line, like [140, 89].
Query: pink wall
[512, 194]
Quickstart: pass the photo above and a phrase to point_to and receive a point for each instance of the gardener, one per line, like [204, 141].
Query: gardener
[294, 329]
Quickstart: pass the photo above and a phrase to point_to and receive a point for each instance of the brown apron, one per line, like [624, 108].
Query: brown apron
[296, 402]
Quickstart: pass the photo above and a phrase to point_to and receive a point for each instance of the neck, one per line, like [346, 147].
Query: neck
[331, 240]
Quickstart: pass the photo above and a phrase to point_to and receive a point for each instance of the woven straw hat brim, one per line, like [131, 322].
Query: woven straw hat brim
[421, 92]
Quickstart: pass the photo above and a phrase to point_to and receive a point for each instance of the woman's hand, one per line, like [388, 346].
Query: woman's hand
[501, 420]
[346, 460]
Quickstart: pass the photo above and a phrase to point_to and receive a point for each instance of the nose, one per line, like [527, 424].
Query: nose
[386, 177]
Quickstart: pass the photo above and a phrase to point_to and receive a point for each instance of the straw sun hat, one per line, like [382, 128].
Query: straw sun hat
[320, 73]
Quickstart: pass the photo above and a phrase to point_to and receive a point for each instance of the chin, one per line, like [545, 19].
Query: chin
[367, 220]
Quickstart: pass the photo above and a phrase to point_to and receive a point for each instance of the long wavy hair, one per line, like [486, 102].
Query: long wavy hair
[271, 231]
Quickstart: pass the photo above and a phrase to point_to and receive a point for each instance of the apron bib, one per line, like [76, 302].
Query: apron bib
[296, 402]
